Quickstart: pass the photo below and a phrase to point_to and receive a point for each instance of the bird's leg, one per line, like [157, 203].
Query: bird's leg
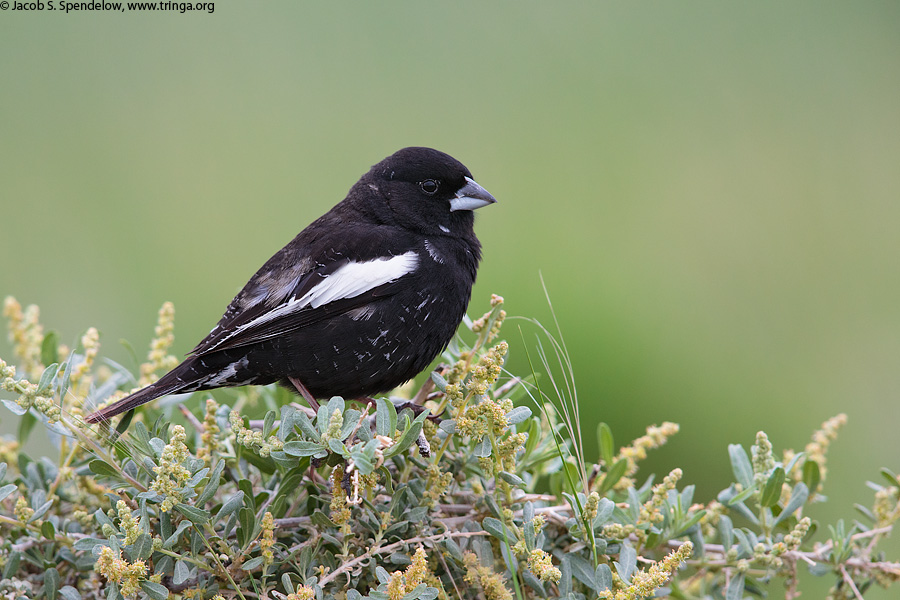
[313, 404]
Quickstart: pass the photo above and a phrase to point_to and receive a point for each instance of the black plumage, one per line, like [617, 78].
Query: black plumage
[360, 301]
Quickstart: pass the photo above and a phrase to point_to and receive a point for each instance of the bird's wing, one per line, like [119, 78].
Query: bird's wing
[281, 299]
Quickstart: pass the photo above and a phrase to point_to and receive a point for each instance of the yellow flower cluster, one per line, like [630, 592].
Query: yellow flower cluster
[795, 537]
[591, 506]
[209, 439]
[26, 334]
[479, 324]
[159, 358]
[650, 511]
[118, 570]
[80, 381]
[268, 539]
[645, 583]
[821, 439]
[303, 593]
[436, 484]
[403, 582]
[127, 523]
[335, 424]
[763, 459]
[491, 583]
[28, 393]
[637, 451]
[340, 507]
[886, 507]
[540, 564]
[22, 511]
[252, 438]
[171, 473]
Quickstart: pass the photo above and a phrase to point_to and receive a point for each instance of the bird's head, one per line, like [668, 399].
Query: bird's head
[427, 191]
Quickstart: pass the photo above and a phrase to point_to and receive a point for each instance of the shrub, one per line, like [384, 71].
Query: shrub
[493, 500]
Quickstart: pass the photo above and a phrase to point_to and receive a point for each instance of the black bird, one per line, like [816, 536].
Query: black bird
[359, 302]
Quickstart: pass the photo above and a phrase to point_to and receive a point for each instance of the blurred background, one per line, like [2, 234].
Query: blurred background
[710, 190]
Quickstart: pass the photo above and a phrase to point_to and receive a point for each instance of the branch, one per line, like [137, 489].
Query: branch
[347, 566]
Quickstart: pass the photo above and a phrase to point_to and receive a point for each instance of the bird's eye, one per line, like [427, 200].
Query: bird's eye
[429, 186]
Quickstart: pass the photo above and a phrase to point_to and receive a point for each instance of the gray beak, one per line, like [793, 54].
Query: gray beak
[470, 197]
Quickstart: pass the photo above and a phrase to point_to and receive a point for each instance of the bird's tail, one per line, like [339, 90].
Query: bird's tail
[169, 383]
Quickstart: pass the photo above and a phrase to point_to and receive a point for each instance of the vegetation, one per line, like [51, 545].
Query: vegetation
[493, 500]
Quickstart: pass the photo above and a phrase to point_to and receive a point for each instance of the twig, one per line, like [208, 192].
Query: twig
[195, 423]
[849, 581]
[347, 566]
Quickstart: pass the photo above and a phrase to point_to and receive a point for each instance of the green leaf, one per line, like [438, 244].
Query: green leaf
[252, 563]
[182, 572]
[772, 491]
[604, 511]
[406, 440]
[889, 476]
[351, 418]
[385, 417]
[607, 446]
[582, 570]
[306, 426]
[89, 543]
[603, 578]
[104, 469]
[512, 479]
[415, 593]
[247, 520]
[726, 532]
[7, 489]
[12, 565]
[518, 415]
[156, 591]
[496, 528]
[812, 476]
[67, 592]
[690, 523]
[41, 511]
[47, 378]
[26, 425]
[193, 514]
[615, 473]
[50, 348]
[302, 448]
[142, 547]
[439, 382]
[48, 530]
[483, 447]
[740, 464]
[268, 423]
[209, 490]
[743, 495]
[799, 495]
[230, 505]
[51, 583]
[338, 448]
[735, 589]
[627, 562]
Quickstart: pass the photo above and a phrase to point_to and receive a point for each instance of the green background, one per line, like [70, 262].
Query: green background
[710, 189]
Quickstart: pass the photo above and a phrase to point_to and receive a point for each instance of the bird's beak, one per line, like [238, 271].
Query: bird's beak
[470, 197]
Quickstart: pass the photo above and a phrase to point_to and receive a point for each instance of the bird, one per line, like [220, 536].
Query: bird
[359, 302]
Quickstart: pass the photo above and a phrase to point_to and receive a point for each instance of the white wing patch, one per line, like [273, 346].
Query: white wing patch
[432, 251]
[349, 281]
[227, 373]
[357, 278]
